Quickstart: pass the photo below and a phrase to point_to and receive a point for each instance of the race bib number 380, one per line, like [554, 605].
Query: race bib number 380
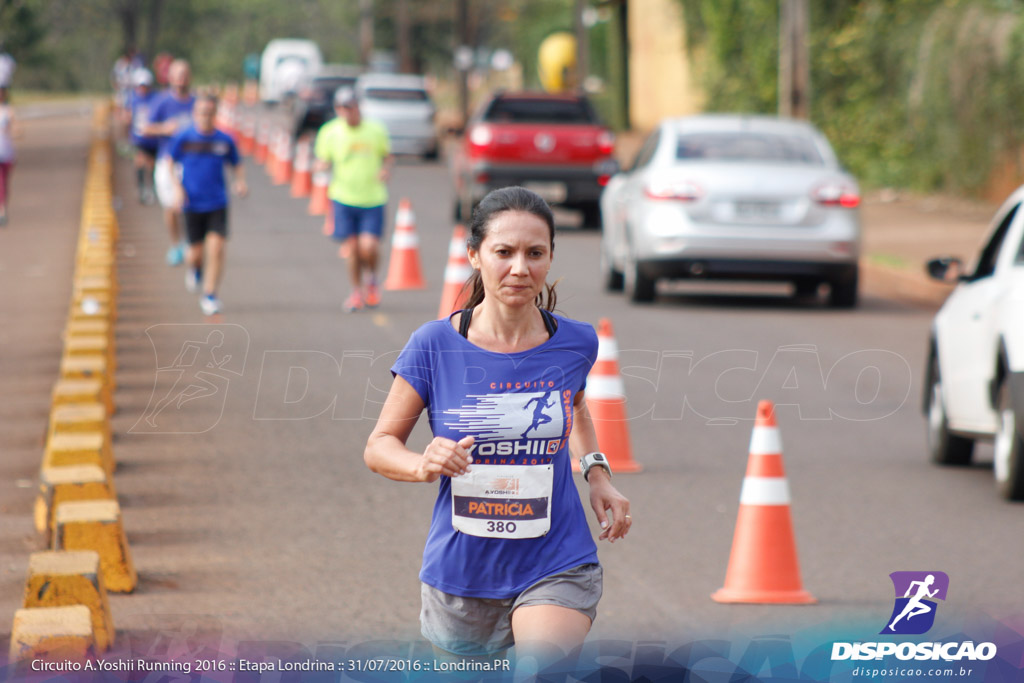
[503, 501]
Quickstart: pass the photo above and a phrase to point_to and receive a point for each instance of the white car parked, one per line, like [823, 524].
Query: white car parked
[733, 197]
[403, 105]
[974, 383]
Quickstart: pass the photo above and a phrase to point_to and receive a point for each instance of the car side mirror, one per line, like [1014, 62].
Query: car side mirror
[945, 269]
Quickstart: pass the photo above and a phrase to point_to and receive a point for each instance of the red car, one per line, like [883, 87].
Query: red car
[552, 144]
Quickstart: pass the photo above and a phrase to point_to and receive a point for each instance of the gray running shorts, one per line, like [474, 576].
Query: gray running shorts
[483, 626]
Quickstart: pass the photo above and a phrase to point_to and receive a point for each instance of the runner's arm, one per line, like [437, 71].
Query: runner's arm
[386, 452]
[603, 496]
[385, 167]
[238, 179]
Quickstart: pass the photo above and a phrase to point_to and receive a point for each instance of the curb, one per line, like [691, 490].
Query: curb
[903, 285]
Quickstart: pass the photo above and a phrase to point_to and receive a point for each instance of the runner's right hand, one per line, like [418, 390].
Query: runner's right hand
[447, 457]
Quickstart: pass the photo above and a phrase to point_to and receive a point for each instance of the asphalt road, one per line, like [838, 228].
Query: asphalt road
[265, 518]
[251, 516]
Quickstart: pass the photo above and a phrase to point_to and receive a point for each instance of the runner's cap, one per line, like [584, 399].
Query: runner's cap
[344, 97]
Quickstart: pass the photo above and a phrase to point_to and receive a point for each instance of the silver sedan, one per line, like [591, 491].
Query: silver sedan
[733, 197]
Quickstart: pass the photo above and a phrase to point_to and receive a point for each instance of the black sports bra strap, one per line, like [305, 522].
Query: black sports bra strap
[549, 322]
[466, 317]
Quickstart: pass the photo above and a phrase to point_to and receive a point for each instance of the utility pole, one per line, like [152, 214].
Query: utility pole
[794, 60]
[365, 31]
[463, 55]
[582, 44]
[404, 37]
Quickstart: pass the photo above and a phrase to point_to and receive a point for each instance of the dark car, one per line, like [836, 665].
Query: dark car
[315, 104]
[553, 144]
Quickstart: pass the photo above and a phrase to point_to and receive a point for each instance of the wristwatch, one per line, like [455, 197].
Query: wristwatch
[594, 459]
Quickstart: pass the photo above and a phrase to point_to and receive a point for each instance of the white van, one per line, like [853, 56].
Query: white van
[287, 64]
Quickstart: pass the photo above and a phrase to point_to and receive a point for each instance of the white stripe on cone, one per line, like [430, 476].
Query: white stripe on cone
[457, 274]
[599, 386]
[765, 441]
[765, 491]
[457, 250]
[607, 348]
[405, 239]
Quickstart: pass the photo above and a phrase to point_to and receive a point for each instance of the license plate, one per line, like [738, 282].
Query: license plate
[551, 192]
[754, 210]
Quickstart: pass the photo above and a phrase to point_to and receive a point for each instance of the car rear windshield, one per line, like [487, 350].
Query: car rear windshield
[329, 85]
[396, 94]
[756, 147]
[524, 110]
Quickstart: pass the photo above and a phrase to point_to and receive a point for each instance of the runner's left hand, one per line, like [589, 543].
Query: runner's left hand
[604, 498]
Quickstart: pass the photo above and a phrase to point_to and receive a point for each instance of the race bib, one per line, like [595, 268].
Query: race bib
[503, 501]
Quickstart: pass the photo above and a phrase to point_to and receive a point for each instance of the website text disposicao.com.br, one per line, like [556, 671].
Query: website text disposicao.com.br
[904, 672]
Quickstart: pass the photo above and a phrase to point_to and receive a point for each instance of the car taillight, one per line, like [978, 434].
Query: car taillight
[836, 194]
[606, 142]
[680, 190]
[480, 138]
[603, 180]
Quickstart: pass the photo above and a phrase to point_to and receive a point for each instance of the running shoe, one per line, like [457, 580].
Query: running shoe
[210, 304]
[193, 276]
[372, 297]
[353, 303]
[175, 255]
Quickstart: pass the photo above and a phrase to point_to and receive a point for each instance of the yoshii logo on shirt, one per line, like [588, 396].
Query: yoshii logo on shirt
[510, 416]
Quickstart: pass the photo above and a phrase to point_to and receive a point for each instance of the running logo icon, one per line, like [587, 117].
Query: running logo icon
[194, 367]
[914, 610]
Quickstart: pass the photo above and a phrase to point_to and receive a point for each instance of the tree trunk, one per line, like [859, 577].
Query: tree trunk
[153, 28]
[128, 13]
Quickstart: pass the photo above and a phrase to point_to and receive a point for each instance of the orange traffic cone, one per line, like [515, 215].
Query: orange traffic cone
[302, 178]
[262, 143]
[606, 402]
[318, 200]
[404, 271]
[247, 137]
[763, 566]
[458, 270]
[281, 171]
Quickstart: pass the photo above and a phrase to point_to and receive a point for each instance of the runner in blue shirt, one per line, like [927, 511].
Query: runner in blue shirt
[170, 113]
[145, 146]
[203, 152]
[509, 557]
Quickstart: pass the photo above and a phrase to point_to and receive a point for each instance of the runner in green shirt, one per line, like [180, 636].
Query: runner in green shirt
[358, 151]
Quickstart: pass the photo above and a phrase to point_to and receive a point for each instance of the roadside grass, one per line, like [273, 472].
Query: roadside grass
[888, 261]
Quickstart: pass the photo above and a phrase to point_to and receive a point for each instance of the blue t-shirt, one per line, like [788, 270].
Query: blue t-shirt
[165, 107]
[518, 406]
[202, 159]
[140, 105]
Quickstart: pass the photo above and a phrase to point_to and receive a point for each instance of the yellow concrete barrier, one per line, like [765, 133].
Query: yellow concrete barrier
[80, 417]
[88, 345]
[82, 391]
[68, 484]
[66, 578]
[91, 308]
[93, 367]
[52, 632]
[96, 525]
[81, 328]
[79, 448]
